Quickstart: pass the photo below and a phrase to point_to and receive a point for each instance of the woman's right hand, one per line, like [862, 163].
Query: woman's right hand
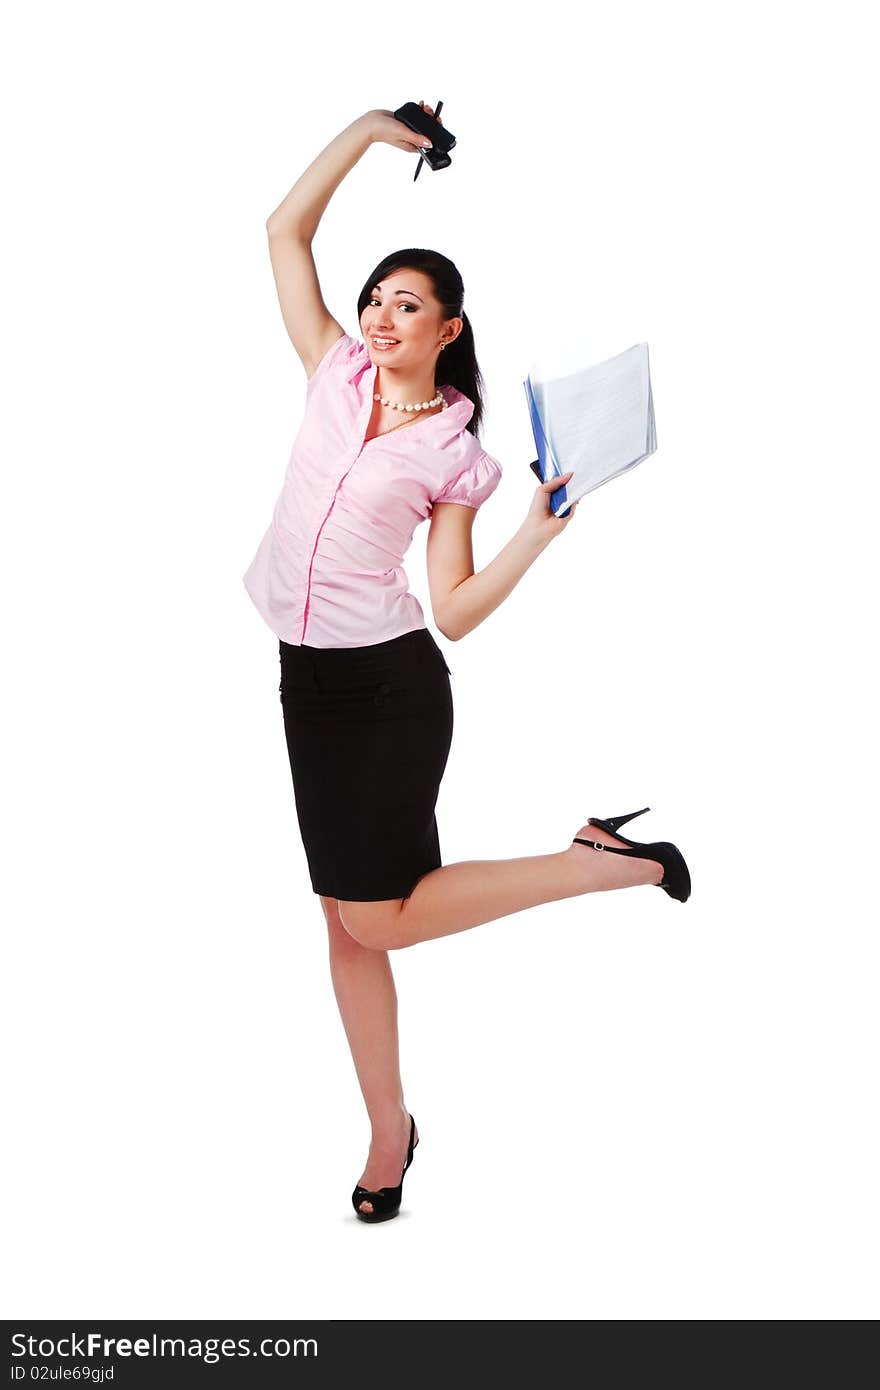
[386, 129]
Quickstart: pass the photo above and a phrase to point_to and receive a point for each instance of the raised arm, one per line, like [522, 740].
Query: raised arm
[291, 227]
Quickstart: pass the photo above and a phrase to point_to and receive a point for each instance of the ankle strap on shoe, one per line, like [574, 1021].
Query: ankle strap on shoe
[598, 844]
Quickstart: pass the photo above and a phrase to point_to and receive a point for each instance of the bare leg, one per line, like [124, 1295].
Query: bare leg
[367, 999]
[460, 896]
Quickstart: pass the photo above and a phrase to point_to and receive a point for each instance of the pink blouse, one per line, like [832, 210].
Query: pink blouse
[329, 570]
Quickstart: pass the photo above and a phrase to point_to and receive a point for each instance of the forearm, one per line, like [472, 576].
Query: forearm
[303, 208]
[480, 594]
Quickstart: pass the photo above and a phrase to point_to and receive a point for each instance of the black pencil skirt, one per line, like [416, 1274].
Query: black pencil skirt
[368, 734]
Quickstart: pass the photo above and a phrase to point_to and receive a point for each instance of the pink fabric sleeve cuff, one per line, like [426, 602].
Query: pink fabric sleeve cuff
[474, 484]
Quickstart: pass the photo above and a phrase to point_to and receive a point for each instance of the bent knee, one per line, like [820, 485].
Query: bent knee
[374, 925]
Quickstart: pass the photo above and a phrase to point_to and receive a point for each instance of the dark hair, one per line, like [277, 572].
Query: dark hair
[457, 362]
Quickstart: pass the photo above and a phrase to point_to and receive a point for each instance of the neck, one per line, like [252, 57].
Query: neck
[399, 386]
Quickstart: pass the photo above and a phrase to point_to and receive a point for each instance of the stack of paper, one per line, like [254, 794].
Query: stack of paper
[597, 422]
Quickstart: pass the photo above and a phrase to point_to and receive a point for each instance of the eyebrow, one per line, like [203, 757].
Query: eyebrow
[412, 292]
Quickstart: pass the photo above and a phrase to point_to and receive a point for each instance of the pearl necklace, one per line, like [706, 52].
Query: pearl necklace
[424, 405]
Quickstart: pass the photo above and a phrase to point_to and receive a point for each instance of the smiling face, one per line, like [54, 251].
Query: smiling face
[405, 308]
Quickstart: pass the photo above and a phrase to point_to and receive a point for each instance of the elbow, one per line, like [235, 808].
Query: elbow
[276, 228]
[448, 630]
[448, 615]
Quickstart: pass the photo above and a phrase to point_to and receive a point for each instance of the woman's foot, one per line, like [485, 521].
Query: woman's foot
[388, 1150]
[621, 870]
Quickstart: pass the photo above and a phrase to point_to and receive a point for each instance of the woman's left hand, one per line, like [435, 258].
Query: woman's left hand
[541, 524]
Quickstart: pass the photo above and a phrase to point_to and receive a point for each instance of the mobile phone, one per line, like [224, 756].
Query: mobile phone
[442, 141]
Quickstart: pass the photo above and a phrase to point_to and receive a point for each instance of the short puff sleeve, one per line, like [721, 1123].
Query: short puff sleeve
[474, 484]
[338, 359]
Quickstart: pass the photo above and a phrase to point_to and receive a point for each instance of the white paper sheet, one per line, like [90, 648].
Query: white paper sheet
[597, 421]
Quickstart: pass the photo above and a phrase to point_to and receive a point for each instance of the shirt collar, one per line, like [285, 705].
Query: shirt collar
[445, 426]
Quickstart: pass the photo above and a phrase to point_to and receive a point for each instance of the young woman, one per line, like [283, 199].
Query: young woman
[365, 690]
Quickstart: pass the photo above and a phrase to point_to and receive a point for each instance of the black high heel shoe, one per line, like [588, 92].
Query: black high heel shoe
[676, 876]
[385, 1202]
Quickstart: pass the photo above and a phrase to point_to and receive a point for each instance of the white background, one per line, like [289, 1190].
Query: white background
[629, 1108]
